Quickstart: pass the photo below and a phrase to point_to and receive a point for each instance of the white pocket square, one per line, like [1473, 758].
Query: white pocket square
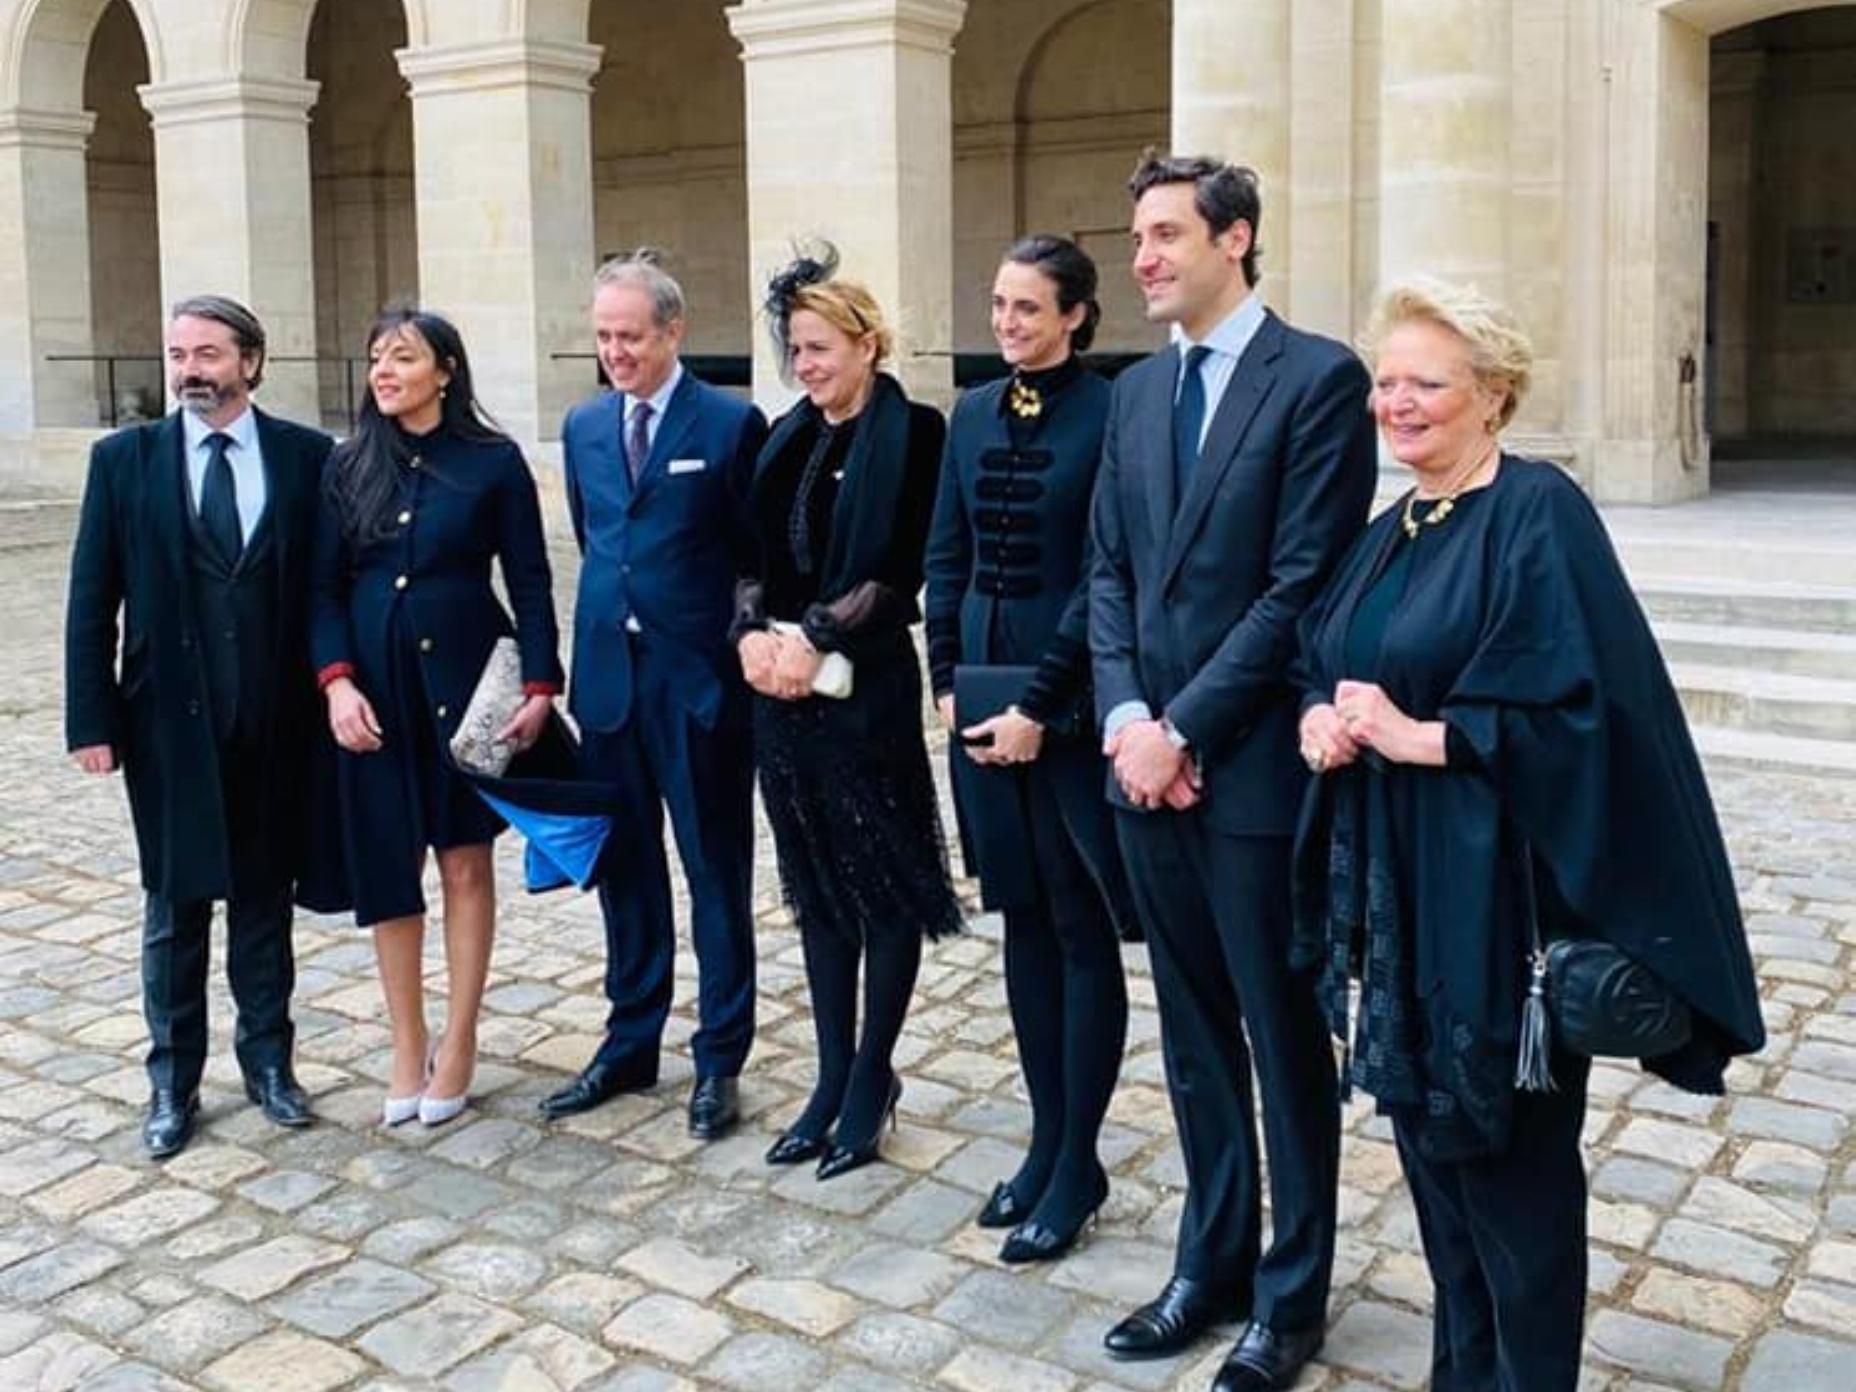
[687, 466]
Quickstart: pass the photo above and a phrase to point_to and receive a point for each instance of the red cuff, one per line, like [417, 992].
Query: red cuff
[335, 671]
[541, 688]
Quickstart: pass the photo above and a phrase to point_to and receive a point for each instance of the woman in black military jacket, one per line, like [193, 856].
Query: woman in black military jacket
[416, 507]
[1006, 590]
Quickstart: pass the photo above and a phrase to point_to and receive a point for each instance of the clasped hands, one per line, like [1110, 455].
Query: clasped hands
[357, 729]
[1151, 770]
[780, 665]
[1010, 737]
[1361, 716]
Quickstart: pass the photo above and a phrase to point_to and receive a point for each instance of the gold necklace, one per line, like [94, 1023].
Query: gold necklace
[1025, 400]
[1413, 524]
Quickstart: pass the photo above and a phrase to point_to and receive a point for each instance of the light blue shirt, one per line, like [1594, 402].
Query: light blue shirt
[658, 400]
[243, 454]
[1227, 341]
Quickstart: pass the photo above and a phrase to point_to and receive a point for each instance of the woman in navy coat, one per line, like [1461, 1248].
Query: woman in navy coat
[415, 508]
[1007, 609]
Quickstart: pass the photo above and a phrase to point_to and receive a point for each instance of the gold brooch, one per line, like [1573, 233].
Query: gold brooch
[1024, 400]
[1412, 522]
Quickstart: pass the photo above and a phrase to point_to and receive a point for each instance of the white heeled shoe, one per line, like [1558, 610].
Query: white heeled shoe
[397, 1111]
[436, 1111]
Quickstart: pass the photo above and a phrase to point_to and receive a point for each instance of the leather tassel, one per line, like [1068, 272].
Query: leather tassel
[1534, 1068]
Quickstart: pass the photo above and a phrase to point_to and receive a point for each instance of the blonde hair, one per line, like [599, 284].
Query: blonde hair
[1500, 355]
[850, 309]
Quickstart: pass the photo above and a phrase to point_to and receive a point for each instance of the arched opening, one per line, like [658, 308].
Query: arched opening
[1053, 102]
[1780, 387]
[125, 247]
[670, 166]
[361, 174]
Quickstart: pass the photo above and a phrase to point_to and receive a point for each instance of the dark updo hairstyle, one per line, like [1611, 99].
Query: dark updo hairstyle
[362, 480]
[1071, 272]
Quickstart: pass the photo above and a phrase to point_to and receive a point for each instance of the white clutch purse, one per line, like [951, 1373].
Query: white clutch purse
[492, 705]
[834, 673]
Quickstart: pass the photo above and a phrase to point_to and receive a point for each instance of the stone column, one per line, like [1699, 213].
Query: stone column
[44, 271]
[1650, 447]
[1231, 76]
[1447, 67]
[502, 133]
[850, 137]
[232, 194]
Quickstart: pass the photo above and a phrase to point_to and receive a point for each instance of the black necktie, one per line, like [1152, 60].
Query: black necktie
[219, 499]
[1188, 420]
[638, 439]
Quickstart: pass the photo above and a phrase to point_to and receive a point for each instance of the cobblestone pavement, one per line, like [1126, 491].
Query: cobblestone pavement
[612, 1252]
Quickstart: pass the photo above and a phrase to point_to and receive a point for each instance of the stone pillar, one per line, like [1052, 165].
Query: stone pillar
[850, 137]
[1447, 67]
[1650, 447]
[233, 198]
[502, 133]
[1231, 76]
[44, 271]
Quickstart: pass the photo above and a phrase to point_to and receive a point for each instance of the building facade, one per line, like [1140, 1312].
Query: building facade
[1661, 188]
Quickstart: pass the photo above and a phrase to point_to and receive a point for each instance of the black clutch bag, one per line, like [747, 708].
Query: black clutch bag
[982, 691]
[1594, 999]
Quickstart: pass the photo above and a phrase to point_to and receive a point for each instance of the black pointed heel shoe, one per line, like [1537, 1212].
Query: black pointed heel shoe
[1036, 1241]
[795, 1148]
[840, 1159]
[1004, 1209]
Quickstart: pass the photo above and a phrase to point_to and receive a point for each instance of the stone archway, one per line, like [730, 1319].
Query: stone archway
[1053, 101]
[1652, 444]
[46, 295]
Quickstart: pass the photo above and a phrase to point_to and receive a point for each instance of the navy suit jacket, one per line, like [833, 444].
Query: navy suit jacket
[1194, 601]
[666, 552]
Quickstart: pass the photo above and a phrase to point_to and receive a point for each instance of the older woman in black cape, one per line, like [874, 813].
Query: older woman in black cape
[1500, 755]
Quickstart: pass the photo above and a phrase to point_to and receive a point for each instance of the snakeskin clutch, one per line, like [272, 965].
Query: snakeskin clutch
[492, 705]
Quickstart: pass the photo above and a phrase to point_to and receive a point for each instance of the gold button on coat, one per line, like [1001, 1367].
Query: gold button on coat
[443, 711]
[426, 645]
[399, 582]
[405, 517]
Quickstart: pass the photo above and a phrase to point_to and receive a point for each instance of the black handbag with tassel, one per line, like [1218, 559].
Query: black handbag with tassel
[1593, 998]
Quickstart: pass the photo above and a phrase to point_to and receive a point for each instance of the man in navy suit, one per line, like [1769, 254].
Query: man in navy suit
[657, 478]
[1237, 467]
[193, 546]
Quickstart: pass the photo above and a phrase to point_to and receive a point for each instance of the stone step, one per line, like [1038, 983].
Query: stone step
[1748, 603]
[1766, 560]
[1776, 703]
[1796, 652]
[1759, 749]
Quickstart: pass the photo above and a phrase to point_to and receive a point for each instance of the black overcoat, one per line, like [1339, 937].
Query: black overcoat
[1518, 628]
[987, 606]
[129, 565]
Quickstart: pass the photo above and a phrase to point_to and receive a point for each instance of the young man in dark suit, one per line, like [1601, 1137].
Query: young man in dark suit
[195, 530]
[657, 479]
[1238, 465]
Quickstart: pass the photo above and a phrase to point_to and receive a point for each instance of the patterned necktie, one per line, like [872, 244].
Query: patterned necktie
[219, 499]
[638, 439]
[1188, 420]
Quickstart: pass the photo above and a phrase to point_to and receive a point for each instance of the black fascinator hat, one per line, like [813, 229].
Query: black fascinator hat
[811, 265]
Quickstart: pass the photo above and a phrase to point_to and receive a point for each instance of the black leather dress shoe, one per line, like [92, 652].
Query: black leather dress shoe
[1169, 1322]
[1004, 1209]
[1266, 1360]
[278, 1096]
[597, 1083]
[170, 1122]
[715, 1107]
